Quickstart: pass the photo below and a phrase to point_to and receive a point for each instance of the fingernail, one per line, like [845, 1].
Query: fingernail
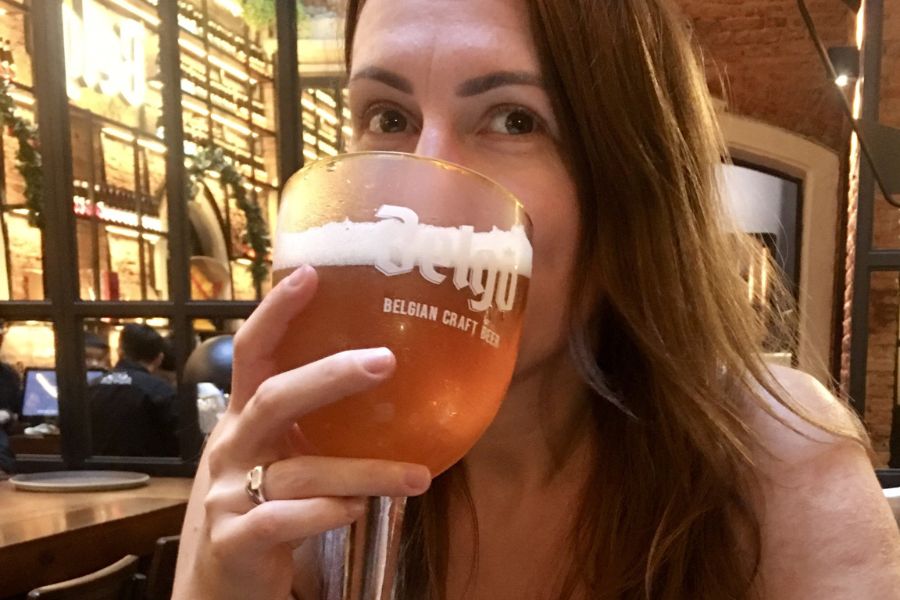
[417, 480]
[378, 360]
[299, 275]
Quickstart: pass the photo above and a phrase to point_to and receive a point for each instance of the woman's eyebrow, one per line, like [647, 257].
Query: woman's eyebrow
[389, 78]
[485, 83]
[471, 87]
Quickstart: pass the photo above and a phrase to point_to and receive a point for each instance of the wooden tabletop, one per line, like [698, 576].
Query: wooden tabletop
[48, 537]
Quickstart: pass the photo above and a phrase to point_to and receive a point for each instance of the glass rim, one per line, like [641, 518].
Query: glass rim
[430, 159]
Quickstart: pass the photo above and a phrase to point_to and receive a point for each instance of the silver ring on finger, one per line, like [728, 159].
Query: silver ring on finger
[255, 481]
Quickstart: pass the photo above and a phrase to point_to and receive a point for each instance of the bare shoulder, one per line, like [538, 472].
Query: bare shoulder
[826, 528]
[785, 433]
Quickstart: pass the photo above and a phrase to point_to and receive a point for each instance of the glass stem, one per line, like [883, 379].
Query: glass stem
[371, 551]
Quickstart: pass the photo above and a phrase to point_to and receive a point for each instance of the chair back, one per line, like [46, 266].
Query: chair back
[118, 581]
[161, 575]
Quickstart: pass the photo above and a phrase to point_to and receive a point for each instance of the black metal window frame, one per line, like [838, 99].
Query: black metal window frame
[867, 260]
[63, 306]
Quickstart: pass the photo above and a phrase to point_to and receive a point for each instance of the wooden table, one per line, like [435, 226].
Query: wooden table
[48, 537]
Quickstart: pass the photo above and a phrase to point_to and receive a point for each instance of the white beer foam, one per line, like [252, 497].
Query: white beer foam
[349, 243]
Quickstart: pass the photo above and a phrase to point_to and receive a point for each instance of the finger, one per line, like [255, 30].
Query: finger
[312, 476]
[317, 476]
[284, 522]
[257, 339]
[281, 400]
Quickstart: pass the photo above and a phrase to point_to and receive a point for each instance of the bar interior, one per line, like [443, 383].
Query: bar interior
[144, 147]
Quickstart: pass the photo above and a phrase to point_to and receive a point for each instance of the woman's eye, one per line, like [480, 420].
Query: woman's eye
[388, 121]
[514, 121]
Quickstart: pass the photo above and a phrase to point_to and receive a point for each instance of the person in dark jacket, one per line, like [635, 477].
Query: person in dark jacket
[133, 412]
[7, 458]
[10, 388]
[10, 405]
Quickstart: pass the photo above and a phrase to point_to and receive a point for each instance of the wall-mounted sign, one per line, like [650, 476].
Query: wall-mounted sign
[104, 52]
[108, 214]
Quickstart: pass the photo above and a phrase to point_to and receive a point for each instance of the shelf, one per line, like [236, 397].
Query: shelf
[223, 117]
[138, 10]
[242, 70]
[243, 102]
[324, 118]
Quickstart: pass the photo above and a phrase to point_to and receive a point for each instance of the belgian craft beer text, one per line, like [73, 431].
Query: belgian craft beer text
[443, 299]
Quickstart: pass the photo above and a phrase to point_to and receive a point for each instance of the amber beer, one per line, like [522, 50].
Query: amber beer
[447, 301]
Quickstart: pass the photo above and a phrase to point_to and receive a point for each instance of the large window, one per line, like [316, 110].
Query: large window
[228, 100]
[118, 151]
[21, 271]
[148, 90]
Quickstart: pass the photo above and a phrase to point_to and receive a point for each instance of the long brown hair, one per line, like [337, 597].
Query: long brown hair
[661, 325]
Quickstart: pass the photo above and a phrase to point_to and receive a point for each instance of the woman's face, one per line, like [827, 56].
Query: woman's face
[460, 80]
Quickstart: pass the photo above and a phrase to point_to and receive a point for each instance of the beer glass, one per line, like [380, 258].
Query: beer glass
[431, 260]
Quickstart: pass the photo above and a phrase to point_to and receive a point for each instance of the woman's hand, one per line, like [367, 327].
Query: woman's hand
[232, 548]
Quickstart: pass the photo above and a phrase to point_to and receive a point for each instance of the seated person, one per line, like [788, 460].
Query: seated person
[133, 412]
[10, 389]
[96, 351]
[167, 368]
[7, 458]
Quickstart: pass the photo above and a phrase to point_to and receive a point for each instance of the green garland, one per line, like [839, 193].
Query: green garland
[28, 157]
[212, 158]
[261, 13]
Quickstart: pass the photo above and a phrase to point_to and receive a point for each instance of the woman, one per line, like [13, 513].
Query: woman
[643, 449]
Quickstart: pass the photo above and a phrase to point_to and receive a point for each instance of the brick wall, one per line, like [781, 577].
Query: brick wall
[890, 82]
[882, 363]
[762, 53]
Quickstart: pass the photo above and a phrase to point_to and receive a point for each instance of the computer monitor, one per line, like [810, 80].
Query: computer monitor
[40, 397]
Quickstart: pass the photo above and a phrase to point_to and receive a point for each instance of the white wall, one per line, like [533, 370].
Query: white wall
[764, 203]
[755, 199]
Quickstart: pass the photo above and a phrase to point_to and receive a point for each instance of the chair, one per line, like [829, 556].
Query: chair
[118, 581]
[161, 574]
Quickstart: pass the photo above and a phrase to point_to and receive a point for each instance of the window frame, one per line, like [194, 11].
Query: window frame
[63, 305]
